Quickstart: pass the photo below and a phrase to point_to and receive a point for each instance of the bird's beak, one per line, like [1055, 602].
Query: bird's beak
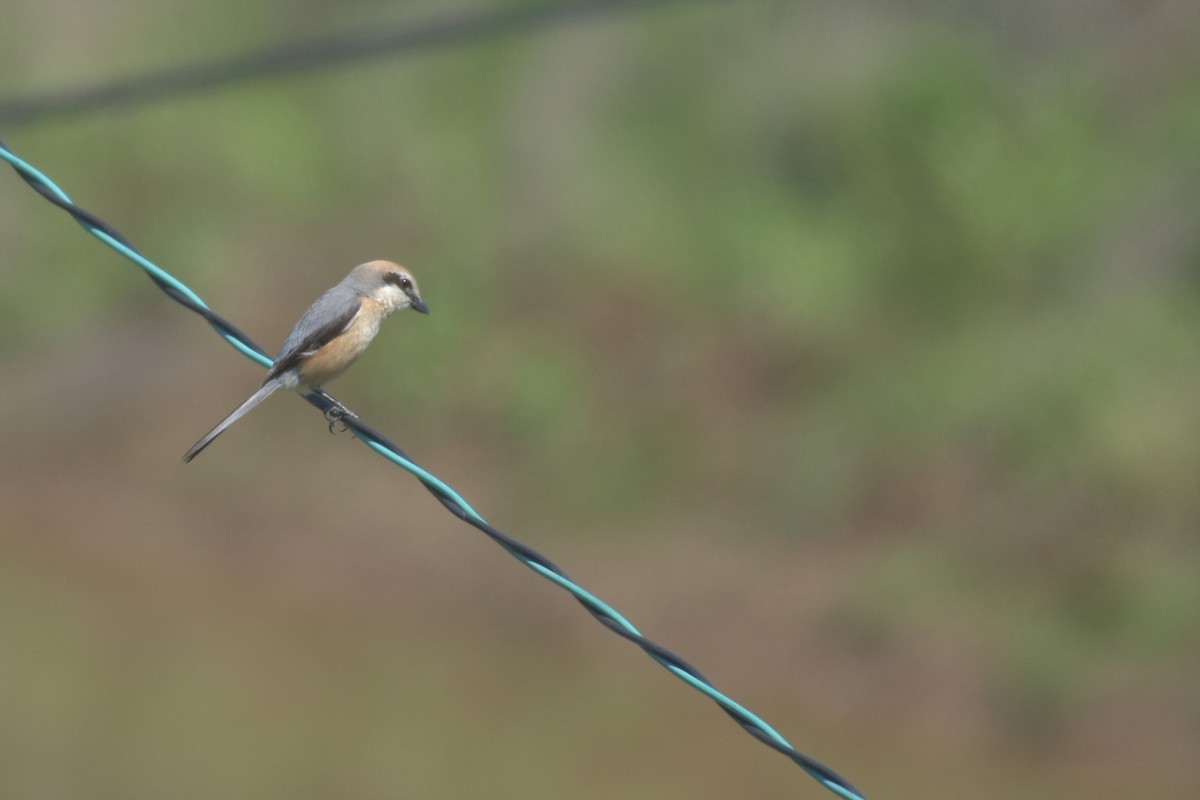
[419, 305]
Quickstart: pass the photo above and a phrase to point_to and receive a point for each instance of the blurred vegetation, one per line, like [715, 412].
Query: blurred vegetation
[873, 328]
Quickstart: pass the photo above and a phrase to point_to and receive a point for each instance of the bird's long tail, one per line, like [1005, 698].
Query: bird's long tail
[255, 399]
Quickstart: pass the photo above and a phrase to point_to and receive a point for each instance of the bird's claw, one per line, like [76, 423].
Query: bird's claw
[337, 415]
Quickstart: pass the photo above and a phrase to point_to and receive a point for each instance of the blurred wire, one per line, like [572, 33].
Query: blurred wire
[328, 52]
[604, 613]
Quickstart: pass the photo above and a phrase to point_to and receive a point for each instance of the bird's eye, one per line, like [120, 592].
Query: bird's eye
[403, 281]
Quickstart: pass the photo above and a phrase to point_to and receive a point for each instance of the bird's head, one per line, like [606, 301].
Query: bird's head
[390, 284]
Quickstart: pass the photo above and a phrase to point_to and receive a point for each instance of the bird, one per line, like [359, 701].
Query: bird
[330, 336]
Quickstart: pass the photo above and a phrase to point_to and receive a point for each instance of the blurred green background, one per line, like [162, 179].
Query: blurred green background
[852, 349]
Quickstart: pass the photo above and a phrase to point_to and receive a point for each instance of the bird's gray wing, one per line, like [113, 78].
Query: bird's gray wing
[324, 321]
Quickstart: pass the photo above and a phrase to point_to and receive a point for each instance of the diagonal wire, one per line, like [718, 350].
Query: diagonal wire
[327, 52]
[604, 613]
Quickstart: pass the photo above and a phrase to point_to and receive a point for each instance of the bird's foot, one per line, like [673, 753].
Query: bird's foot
[337, 414]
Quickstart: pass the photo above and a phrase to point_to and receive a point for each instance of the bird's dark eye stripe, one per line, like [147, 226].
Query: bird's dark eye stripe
[396, 278]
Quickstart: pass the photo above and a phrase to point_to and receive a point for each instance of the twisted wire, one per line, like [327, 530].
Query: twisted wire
[604, 613]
